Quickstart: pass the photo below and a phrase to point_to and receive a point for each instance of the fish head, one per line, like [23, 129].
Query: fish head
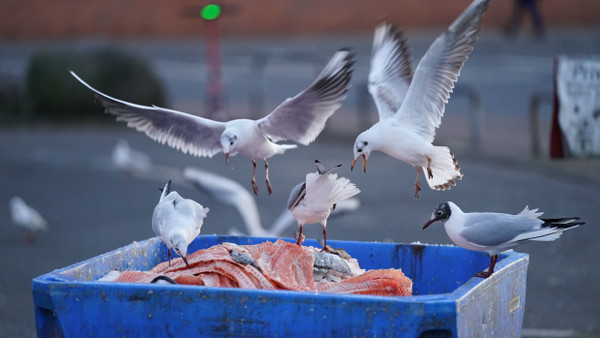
[441, 213]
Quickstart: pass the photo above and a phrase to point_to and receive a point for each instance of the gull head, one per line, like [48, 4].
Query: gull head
[362, 147]
[180, 245]
[228, 142]
[441, 213]
[16, 203]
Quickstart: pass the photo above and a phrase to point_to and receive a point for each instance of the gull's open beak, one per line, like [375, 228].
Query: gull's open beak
[364, 163]
[227, 158]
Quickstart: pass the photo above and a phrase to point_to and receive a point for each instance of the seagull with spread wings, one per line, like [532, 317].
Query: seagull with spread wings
[299, 119]
[410, 105]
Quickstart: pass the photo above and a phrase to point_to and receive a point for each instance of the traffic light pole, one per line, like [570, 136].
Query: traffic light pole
[214, 87]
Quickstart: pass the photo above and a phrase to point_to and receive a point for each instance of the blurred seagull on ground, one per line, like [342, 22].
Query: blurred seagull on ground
[129, 160]
[233, 194]
[299, 119]
[27, 217]
[411, 107]
[496, 232]
[313, 200]
[177, 221]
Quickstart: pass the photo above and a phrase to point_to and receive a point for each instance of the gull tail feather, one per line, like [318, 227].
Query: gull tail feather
[551, 229]
[329, 188]
[562, 223]
[281, 148]
[444, 168]
[530, 213]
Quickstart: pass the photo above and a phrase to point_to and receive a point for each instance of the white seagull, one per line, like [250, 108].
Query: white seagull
[27, 217]
[177, 221]
[313, 200]
[411, 107]
[233, 194]
[299, 119]
[495, 232]
[129, 160]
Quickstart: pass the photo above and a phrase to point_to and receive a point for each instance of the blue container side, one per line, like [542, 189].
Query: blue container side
[69, 301]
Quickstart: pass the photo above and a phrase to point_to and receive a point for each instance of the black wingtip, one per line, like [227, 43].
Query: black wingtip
[562, 223]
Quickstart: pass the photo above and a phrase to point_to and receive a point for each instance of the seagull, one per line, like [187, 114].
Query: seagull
[313, 200]
[299, 119]
[411, 106]
[496, 232]
[231, 193]
[177, 221]
[129, 160]
[27, 217]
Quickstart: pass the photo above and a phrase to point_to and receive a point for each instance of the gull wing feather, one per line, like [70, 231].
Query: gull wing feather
[296, 195]
[302, 118]
[188, 133]
[437, 72]
[492, 229]
[228, 192]
[391, 70]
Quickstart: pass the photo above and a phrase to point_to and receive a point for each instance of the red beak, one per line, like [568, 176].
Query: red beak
[364, 163]
[430, 222]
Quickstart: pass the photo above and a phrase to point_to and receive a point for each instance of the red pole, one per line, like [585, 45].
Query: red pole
[214, 87]
[556, 146]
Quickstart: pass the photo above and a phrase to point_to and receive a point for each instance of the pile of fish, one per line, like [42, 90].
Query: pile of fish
[274, 266]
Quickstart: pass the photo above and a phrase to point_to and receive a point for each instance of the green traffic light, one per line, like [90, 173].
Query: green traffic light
[210, 12]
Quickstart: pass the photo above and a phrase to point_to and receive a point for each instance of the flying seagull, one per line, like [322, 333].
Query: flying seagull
[299, 119]
[410, 105]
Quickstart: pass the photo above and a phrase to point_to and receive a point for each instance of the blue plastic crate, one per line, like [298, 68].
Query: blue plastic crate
[446, 301]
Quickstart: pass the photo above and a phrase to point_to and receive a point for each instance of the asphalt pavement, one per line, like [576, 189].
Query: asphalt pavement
[65, 171]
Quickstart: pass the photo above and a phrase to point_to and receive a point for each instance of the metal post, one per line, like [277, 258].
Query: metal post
[214, 88]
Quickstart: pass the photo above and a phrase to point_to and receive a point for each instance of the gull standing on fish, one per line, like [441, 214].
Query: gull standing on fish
[313, 200]
[299, 119]
[177, 221]
[231, 193]
[496, 232]
[27, 217]
[411, 106]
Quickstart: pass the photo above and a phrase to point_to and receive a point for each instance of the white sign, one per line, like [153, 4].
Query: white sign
[578, 89]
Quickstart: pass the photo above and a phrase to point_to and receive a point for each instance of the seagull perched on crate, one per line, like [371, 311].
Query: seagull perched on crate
[314, 199]
[177, 221]
[299, 119]
[496, 232]
[27, 217]
[411, 106]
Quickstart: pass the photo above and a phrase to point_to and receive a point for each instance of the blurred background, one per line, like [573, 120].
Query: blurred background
[56, 145]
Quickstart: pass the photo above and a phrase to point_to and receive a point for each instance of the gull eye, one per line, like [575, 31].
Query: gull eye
[439, 213]
[366, 143]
